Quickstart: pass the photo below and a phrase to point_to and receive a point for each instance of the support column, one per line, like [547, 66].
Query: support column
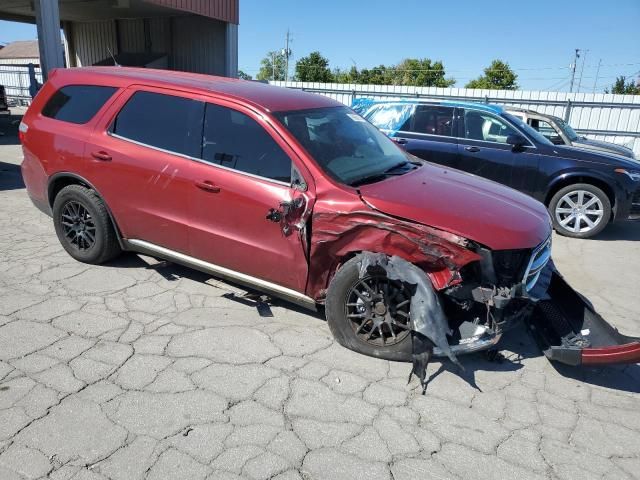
[231, 51]
[49, 40]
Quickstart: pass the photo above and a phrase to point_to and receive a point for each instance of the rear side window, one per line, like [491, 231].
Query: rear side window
[162, 121]
[433, 120]
[235, 140]
[77, 103]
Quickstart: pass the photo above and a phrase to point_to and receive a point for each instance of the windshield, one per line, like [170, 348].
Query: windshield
[529, 130]
[345, 145]
[566, 128]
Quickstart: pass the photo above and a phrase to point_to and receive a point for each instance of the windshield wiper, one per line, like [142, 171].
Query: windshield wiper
[395, 167]
[389, 172]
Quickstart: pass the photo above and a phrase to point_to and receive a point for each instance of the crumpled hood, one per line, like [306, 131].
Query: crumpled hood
[475, 208]
[600, 146]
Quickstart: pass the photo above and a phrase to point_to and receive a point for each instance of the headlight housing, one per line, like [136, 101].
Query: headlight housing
[632, 174]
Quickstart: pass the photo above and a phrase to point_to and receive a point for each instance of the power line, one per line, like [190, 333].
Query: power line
[558, 85]
[597, 73]
[584, 59]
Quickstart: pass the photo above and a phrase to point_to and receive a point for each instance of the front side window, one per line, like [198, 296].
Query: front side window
[545, 129]
[486, 127]
[433, 120]
[77, 103]
[162, 121]
[234, 140]
[528, 129]
[344, 145]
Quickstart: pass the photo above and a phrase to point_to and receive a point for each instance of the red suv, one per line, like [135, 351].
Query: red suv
[297, 196]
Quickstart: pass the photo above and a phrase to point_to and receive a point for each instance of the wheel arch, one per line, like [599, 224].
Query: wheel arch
[63, 179]
[570, 179]
[436, 279]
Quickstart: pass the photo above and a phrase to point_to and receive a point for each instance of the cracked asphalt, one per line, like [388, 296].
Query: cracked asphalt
[143, 369]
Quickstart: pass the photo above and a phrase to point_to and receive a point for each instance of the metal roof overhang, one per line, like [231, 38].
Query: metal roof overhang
[93, 10]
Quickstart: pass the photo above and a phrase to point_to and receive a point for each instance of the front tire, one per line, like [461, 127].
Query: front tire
[580, 210]
[357, 308]
[83, 225]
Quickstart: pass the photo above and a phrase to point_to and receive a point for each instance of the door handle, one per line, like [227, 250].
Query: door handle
[207, 186]
[472, 149]
[101, 155]
[400, 141]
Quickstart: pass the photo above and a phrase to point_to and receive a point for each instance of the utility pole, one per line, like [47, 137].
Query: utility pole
[573, 69]
[273, 66]
[595, 83]
[584, 59]
[287, 53]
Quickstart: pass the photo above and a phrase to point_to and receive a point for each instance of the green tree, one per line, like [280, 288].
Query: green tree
[421, 72]
[272, 67]
[621, 86]
[346, 76]
[417, 72]
[380, 75]
[244, 76]
[497, 76]
[313, 68]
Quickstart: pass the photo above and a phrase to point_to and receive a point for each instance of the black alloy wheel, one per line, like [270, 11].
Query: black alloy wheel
[378, 310]
[78, 226]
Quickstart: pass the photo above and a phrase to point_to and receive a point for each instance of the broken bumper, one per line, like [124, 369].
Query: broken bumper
[570, 331]
[483, 339]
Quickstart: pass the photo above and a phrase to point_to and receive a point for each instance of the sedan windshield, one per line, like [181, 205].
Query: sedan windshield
[346, 146]
[567, 129]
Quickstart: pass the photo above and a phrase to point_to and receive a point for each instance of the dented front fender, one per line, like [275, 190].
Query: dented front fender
[336, 235]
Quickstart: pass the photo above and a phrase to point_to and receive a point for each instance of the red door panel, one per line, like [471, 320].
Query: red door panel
[146, 189]
[229, 227]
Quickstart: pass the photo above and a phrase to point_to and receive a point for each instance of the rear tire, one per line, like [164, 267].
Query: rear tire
[580, 210]
[341, 326]
[83, 225]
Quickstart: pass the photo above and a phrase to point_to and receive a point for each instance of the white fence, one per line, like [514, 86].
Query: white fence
[608, 117]
[15, 79]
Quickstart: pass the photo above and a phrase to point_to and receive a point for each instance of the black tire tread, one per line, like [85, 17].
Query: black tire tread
[110, 244]
[339, 323]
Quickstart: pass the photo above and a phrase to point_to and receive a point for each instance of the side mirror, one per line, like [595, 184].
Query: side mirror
[516, 141]
[557, 140]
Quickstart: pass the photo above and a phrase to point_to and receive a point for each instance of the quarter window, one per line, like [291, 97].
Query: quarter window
[433, 120]
[235, 140]
[77, 103]
[162, 121]
[486, 127]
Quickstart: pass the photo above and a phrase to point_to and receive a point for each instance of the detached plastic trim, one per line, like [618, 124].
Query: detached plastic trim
[627, 353]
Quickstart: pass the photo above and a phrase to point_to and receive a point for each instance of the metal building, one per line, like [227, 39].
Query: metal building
[191, 35]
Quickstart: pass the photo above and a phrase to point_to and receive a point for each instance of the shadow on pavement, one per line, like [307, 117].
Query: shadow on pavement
[620, 231]
[10, 176]
[618, 377]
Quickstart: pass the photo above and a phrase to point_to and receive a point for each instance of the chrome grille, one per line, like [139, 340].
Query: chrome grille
[539, 258]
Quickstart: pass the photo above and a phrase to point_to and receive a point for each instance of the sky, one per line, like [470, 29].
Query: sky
[537, 38]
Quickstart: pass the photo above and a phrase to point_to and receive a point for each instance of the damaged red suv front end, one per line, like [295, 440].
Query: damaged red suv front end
[475, 254]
